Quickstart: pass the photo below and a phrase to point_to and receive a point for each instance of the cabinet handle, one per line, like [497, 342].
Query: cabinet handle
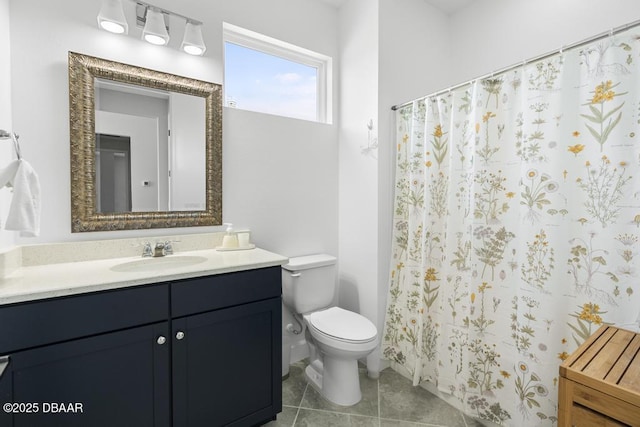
[296, 275]
[180, 335]
[4, 361]
[161, 340]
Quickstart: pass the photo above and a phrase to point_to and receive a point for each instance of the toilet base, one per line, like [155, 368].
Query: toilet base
[336, 380]
[313, 373]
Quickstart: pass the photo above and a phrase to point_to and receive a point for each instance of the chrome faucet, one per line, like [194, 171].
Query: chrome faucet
[159, 251]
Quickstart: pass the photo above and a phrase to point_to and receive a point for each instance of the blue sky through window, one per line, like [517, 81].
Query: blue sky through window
[257, 81]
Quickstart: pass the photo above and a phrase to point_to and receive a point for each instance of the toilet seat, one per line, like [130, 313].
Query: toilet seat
[343, 325]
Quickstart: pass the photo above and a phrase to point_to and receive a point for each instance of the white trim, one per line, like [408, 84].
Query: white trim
[322, 63]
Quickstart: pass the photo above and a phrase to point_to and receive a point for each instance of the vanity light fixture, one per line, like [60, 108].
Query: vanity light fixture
[155, 25]
[111, 17]
[155, 30]
[192, 43]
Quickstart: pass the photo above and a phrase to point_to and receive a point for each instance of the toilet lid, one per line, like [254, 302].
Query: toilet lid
[343, 324]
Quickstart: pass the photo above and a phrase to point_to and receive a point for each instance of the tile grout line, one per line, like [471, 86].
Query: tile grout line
[296, 417]
[331, 411]
[417, 423]
[348, 414]
[299, 406]
[378, 384]
[464, 419]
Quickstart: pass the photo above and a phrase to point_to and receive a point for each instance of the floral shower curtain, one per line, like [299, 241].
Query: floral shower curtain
[516, 228]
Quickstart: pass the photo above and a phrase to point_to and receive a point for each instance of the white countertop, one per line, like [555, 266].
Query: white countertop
[71, 278]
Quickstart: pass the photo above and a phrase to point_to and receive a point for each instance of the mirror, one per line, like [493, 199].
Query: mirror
[146, 148]
[150, 149]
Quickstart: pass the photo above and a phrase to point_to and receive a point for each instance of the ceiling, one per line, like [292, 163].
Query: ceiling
[447, 6]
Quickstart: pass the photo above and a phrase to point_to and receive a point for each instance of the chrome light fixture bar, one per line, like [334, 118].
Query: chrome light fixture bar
[155, 23]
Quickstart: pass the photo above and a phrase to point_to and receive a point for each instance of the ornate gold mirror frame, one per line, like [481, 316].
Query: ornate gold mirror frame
[83, 70]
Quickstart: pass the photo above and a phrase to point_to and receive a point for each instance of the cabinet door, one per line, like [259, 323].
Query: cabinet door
[114, 379]
[227, 366]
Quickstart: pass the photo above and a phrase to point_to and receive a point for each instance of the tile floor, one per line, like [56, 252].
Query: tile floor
[390, 401]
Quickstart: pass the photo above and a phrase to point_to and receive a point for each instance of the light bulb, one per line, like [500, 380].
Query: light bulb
[112, 27]
[193, 50]
[153, 39]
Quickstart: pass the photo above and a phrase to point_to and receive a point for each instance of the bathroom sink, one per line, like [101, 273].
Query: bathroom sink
[160, 263]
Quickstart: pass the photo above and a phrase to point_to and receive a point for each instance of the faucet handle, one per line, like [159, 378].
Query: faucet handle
[168, 247]
[146, 250]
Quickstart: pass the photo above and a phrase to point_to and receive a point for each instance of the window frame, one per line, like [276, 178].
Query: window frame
[274, 47]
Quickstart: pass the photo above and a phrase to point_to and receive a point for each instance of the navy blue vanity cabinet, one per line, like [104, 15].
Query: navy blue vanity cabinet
[227, 355]
[97, 359]
[198, 352]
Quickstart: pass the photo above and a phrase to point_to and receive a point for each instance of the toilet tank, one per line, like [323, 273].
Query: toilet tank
[309, 282]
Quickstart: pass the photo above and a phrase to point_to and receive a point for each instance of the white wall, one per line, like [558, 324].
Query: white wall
[415, 51]
[7, 238]
[257, 188]
[387, 57]
[283, 181]
[492, 34]
[188, 168]
[358, 170]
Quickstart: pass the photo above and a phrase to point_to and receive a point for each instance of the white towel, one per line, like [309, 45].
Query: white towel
[24, 212]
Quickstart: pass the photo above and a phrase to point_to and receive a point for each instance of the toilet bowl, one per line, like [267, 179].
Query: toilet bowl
[341, 337]
[336, 337]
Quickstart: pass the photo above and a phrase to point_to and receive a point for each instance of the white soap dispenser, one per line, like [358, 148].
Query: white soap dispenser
[230, 240]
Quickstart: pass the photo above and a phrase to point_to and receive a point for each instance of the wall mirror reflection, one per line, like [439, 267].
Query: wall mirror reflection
[145, 147]
[150, 149]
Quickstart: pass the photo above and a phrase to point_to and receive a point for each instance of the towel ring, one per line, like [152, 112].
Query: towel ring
[14, 137]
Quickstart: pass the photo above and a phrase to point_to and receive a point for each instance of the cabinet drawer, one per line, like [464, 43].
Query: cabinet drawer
[38, 323]
[198, 295]
[606, 405]
[581, 416]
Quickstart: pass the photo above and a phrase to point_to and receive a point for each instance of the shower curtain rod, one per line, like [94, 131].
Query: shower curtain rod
[600, 36]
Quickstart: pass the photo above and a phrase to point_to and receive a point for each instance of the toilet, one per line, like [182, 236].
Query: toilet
[337, 338]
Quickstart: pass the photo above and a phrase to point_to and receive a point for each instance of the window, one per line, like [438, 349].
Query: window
[270, 76]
